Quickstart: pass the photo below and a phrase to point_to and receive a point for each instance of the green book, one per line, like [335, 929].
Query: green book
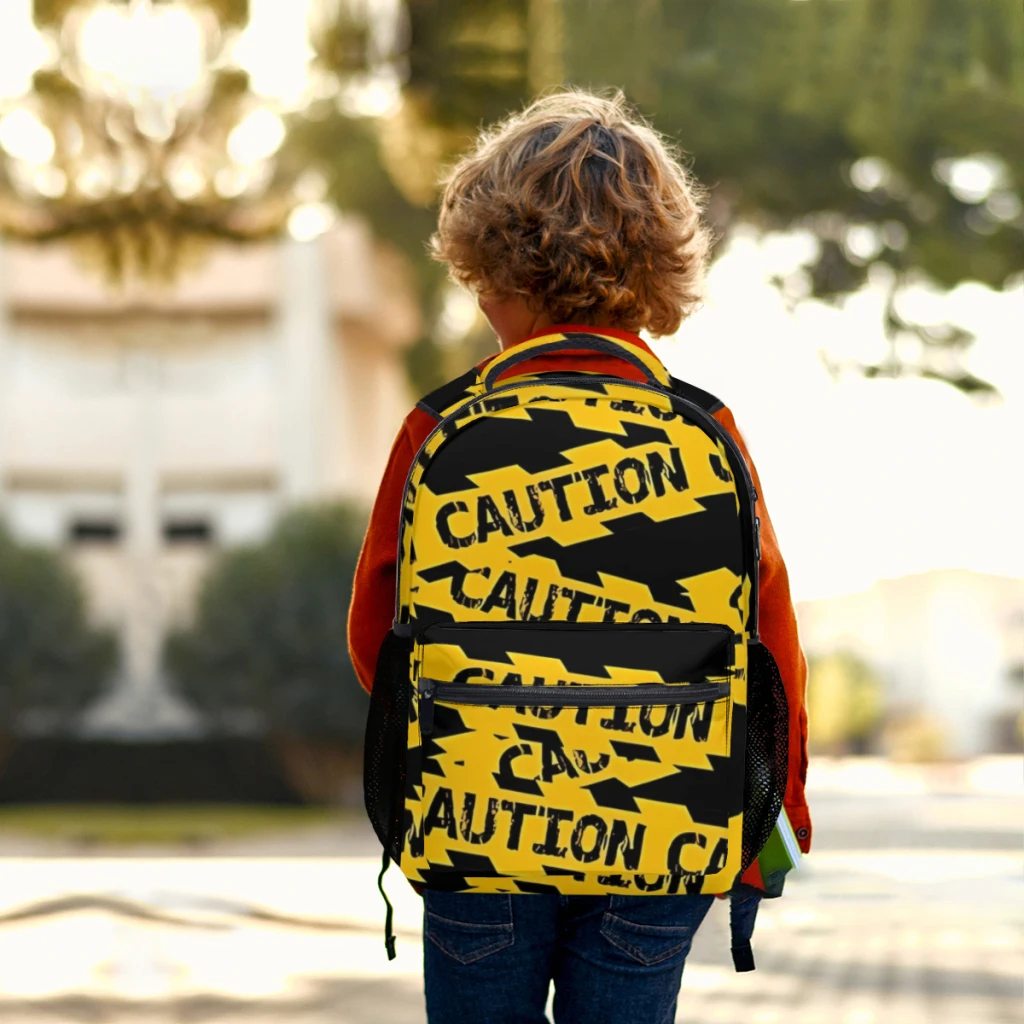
[782, 852]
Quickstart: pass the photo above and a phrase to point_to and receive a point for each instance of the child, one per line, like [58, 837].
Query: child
[569, 215]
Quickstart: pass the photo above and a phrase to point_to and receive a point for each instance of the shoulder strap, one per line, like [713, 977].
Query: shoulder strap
[464, 387]
[439, 401]
[704, 399]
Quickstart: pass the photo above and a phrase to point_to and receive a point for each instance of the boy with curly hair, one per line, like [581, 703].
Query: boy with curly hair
[570, 216]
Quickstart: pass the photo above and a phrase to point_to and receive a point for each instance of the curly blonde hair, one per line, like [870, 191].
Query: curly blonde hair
[579, 206]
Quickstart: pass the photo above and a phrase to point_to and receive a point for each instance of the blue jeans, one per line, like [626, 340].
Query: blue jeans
[488, 959]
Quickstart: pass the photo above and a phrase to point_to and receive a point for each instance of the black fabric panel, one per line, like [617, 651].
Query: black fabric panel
[656, 554]
[711, 797]
[442, 879]
[673, 653]
[534, 444]
[423, 615]
[447, 723]
[635, 751]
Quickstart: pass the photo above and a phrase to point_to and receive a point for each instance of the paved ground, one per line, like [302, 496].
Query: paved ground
[909, 911]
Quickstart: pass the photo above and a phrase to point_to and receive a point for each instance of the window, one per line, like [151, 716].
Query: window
[94, 530]
[188, 531]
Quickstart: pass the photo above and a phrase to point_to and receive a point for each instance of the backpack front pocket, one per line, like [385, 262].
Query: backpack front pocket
[574, 757]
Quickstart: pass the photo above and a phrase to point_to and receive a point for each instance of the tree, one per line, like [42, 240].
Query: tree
[891, 129]
[267, 646]
[53, 664]
[466, 63]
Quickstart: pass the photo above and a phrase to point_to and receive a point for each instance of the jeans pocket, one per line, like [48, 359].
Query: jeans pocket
[653, 930]
[468, 926]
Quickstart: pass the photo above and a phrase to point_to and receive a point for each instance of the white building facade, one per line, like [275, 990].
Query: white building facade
[140, 431]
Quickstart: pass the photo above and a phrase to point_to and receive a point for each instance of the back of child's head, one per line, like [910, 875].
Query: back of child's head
[578, 206]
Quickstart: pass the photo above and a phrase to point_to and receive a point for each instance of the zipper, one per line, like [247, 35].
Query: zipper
[431, 690]
[738, 463]
[618, 627]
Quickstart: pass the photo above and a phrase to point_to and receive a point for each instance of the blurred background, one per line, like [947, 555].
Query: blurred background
[215, 309]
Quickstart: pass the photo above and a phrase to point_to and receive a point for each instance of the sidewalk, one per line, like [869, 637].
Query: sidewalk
[920, 925]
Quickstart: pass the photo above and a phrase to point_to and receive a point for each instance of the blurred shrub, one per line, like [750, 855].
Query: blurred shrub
[844, 704]
[914, 734]
[52, 662]
[267, 648]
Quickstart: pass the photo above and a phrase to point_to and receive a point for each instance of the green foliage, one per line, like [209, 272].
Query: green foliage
[468, 64]
[838, 116]
[348, 151]
[469, 59]
[777, 100]
[52, 663]
[830, 115]
[844, 703]
[269, 633]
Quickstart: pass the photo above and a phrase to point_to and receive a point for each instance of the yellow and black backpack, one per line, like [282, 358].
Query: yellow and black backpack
[573, 697]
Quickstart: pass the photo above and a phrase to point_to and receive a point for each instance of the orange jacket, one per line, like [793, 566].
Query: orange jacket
[373, 596]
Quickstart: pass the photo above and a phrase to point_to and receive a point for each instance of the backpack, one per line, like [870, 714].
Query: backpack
[573, 697]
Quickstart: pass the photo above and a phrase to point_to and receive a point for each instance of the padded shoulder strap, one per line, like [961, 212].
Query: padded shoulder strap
[704, 399]
[439, 401]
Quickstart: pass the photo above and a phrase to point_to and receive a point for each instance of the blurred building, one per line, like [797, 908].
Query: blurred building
[947, 643]
[142, 430]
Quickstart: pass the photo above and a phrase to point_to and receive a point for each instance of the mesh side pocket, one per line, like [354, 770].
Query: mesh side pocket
[385, 744]
[767, 765]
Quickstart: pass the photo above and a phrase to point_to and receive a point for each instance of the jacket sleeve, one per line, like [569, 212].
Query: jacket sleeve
[373, 590]
[778, 629]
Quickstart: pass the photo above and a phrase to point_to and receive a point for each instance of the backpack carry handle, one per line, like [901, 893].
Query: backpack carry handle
[651, 368]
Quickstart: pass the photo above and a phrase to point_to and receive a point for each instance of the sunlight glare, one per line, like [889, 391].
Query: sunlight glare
[870, 173]
[185, 179]
[971, 179]
[274, 50]
[50, 181]
[95, 181]
[255, 137]
[863, 242]
[159, 52]
[310, 220]
[25, 137]
[23, 51]
[458, 315]
[377, 95]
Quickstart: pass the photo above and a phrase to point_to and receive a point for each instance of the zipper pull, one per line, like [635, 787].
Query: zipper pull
[425, 688]
[757, 537]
